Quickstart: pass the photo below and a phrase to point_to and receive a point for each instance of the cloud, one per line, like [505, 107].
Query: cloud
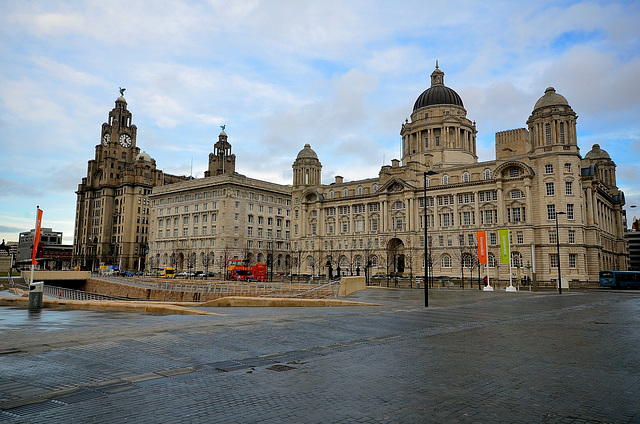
[9, 229]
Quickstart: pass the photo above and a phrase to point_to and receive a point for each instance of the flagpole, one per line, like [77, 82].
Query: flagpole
[35, 244]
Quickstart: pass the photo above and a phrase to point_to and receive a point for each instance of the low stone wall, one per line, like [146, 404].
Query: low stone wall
[349, 285]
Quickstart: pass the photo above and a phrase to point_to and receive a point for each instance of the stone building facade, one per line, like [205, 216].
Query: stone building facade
[538, 171]
[201, 224]
[113, 208]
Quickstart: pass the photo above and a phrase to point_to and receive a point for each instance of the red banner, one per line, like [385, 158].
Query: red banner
[482, 247]
[36, 240]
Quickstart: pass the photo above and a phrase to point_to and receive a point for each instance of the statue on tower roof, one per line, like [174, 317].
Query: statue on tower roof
[122, 90]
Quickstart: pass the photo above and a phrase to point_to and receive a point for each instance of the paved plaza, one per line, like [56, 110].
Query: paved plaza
[471, 357]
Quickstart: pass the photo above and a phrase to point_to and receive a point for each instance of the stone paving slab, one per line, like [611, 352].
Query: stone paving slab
[472, 357]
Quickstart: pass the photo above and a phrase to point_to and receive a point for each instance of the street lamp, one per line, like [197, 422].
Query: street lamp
[558, 251]
[426, 242]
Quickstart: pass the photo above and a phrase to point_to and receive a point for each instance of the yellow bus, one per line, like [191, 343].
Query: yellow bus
[164, 272]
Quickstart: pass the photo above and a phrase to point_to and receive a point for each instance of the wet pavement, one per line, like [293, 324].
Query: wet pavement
[471, 357]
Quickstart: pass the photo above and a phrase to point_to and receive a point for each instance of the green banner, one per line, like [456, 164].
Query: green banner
[504, 246]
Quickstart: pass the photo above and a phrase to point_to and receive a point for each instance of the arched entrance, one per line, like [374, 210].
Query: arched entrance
[395, 252]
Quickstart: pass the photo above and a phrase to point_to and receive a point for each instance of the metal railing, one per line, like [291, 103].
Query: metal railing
[72, 294]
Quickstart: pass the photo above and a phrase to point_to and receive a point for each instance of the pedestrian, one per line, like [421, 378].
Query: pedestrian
[486, 280]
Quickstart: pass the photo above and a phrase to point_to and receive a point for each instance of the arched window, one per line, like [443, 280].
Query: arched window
[446, 261]
[374, 188]
[331, 194]
[374, 260]
[491, 261]
[486, 175]
[562, 132]
[427, 182]
[445, 179]
[516, 259]
[345, 192]
[359, 191]
[398, 205]
[465, 177]
[467, 260]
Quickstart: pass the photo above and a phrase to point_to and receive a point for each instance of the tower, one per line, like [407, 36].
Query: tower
[112, 207]
[439, 133]
[552, 124]
[221, 161]
[307, 169]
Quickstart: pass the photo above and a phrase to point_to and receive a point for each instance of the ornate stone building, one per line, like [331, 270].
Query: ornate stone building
[203, 223]
[113, 207]
[538, 172]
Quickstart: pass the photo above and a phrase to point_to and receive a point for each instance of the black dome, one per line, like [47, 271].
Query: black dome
[438, 95]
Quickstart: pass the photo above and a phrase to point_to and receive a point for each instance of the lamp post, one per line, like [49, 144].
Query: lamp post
[426, 242]
[558, 251]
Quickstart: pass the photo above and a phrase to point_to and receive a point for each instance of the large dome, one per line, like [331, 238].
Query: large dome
[597, 153]
[438, 93]
[307, 153]
[550, 98]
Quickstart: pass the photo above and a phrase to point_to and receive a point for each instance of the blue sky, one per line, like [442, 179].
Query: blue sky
[340, 75]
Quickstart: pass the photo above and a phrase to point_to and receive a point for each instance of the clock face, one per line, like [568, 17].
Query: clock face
[106, 138]
[125, 140]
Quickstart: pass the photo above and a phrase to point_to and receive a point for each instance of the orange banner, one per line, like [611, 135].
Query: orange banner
[482, 247]
[36, 240]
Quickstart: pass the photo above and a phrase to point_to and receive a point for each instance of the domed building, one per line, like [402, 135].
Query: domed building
[377, 225]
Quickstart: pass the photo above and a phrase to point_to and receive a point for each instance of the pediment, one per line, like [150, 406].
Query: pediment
[395, 185]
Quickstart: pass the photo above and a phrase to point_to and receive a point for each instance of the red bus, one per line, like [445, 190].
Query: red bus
[239, 272]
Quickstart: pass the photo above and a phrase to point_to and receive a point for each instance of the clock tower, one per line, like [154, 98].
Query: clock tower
[112, 208]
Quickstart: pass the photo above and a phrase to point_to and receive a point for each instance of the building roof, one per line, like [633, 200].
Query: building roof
[307, 153]
[438, 93]
[597, 153]
[550, 98]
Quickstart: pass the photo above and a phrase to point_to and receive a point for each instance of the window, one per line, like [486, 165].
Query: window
[553, 237]
[470, 239]
[486, 175]
[572, 260]
[446, 261]
[465, 177]
[570, 211]
[359, 191]
[550, 189]
[519, 237]
[551, 211]
[441, 241]
[331, 194]
[514, 172]
[547, 134]
[568, 188]
[572, 236]
[466, 218]
[516, 259]
[553, 260]
[567, 168]
[548, 169]
[345, 192]
[562, 132]
[445, 179]
[461, 239]
[491, 261]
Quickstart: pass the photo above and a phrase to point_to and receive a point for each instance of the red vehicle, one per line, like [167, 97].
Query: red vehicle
[239, 272]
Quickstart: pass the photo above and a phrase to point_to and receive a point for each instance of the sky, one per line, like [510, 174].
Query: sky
[340, 75]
